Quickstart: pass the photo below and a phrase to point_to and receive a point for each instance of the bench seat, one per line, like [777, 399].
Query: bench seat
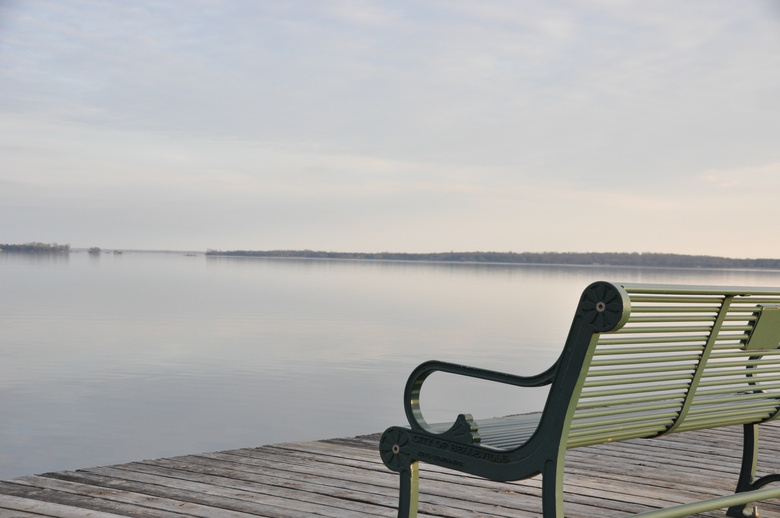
[501, 432]
[509, 432]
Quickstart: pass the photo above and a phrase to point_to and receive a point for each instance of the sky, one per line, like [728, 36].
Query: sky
[425, 126]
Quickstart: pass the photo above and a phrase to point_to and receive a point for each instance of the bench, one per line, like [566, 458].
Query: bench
[639, 361]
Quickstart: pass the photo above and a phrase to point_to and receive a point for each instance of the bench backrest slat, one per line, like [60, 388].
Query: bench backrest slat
[687, 358]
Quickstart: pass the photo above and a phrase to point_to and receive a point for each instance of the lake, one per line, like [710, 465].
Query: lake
[114, 358]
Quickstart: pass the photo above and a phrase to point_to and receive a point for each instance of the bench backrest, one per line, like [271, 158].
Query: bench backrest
[674, 358]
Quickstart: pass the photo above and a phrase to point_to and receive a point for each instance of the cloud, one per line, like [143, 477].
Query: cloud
[758, 179]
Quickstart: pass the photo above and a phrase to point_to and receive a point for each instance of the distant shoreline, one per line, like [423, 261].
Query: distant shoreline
[559, 258]
[36, 248]
[655, 260]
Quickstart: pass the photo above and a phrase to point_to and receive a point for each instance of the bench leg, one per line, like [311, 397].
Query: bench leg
[747, 474]
[748, 471]
[552, 488]
[410, 483]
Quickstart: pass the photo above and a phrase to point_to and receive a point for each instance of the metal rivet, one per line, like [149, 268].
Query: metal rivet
[396, 449]
[600, 307]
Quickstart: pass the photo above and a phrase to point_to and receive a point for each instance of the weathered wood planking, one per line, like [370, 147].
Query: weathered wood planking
[345, 478]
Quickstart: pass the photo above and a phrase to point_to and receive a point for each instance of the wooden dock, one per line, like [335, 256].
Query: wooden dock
[345, 478]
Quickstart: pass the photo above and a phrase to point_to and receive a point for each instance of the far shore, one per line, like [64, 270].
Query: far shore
[647, 259]
[559, 258]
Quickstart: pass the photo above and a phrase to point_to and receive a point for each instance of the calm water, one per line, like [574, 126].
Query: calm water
[114, 358]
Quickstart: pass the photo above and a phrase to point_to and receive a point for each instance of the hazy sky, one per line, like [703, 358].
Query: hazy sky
[402, 126]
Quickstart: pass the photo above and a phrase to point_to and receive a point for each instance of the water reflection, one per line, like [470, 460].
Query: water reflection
[7, 259]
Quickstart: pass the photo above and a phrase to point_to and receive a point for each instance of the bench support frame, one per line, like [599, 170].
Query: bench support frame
[605, 308]
[747, 482]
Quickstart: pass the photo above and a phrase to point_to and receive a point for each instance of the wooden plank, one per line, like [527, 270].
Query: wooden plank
[310, 480]
[575, 485]
[224, 493]
[531, 487]
[8, 513]
[12, 506]
[87, 501]
[705, 489]
[334, 483]
[333, 480]
[139, 500]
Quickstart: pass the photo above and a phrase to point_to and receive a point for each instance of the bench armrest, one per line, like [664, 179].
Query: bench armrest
[419, 375]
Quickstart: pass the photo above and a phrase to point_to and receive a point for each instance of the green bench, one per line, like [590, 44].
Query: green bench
[640, 361]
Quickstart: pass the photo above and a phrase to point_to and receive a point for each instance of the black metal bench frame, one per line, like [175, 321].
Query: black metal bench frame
[639, 361]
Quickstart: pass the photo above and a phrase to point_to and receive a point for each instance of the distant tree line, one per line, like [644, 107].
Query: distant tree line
[36, 248]
[568, 258]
